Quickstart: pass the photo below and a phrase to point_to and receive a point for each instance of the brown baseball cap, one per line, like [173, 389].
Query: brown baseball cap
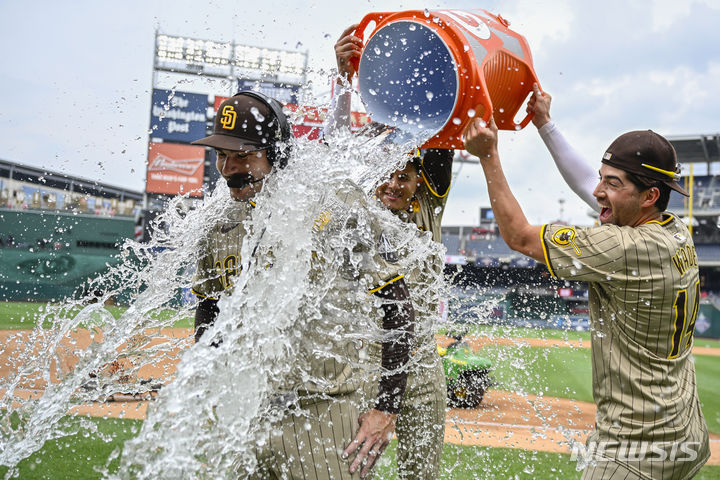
[243, 123]
[644, 152]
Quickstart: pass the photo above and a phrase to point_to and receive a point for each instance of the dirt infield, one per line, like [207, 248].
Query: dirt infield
[504, 419]
[529, 422]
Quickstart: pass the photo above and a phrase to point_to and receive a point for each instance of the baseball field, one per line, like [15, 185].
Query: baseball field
[541, 401]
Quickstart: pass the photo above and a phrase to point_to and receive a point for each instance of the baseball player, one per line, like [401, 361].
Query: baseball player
[318, 429]
[417, 194]
[642, 274]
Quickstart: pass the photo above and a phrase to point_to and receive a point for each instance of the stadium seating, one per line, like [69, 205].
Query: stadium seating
[706, 195]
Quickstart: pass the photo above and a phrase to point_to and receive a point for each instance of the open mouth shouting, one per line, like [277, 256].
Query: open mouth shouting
[605, 214]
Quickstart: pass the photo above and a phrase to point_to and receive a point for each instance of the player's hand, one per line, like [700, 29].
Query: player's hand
[373, 436]
[347, 47]
[539, 104]
[481, 138]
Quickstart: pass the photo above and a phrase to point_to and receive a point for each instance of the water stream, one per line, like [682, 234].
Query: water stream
[294, 298]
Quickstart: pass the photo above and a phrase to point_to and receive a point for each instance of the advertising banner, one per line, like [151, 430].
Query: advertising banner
[178, 116]
[174, 169]
[279, 91]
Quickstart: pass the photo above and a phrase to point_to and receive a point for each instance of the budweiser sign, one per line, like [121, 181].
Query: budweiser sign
[186, 166]
[175, 169]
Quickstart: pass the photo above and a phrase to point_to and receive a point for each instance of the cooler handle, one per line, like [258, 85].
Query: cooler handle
[523, 123]
[374, 16]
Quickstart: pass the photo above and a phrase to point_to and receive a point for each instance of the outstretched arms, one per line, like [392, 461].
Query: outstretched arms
[576, 172]
[347, 47]
[481, 141]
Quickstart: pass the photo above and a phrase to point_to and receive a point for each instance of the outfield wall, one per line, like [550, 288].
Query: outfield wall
[47, 255]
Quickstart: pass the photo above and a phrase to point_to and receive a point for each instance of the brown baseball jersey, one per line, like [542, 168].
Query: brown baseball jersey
[360, 266]
[426, 212]
[364, 270]
[322, 394]
[643, 297]
[220, 257]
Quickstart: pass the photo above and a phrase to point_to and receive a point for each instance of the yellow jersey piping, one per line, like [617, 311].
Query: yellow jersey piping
[664, 222]
[427, 183]
[194, 292]
[377, 289]
[545, 252]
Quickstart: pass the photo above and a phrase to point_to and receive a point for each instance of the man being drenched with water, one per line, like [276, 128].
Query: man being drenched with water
[313, 436]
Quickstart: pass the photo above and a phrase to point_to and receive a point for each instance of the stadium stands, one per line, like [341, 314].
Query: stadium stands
[23, 187]
[706, 195]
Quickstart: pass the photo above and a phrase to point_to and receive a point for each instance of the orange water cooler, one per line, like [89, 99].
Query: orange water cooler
[432, 71]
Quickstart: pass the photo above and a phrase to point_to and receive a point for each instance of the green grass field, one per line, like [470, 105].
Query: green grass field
[24, 315]
[511, 332]
[86, 457]
[555, 371]
[566, 372]
[79, 456]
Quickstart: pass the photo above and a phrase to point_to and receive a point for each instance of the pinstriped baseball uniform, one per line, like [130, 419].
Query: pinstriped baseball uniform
[643, 298]
[420, 428]
[220, 260]
[319, 407]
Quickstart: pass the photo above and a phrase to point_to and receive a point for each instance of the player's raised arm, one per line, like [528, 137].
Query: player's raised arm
[577, 173]
[481, 141]
[347, 48]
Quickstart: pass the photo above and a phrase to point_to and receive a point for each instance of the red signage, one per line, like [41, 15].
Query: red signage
[565, 292]
[175, 169]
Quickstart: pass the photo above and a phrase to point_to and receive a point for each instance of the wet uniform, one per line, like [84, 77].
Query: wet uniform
[643, 298]
[319, 407]
[420, 426]
[221, 260]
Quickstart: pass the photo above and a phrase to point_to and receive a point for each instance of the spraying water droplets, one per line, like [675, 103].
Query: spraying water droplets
[256, 113]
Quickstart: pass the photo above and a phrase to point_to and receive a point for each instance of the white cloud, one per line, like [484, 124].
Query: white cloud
[540, 22]
[665, 13]
[77, 94]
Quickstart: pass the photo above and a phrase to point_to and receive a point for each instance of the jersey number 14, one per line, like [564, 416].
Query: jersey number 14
[682, 333]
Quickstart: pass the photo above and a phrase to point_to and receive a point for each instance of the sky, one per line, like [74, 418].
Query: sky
[76, 79]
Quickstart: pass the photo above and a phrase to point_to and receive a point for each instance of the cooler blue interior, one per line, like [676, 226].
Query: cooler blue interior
[408, 78]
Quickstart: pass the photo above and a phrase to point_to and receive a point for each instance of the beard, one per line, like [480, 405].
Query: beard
[241, 180]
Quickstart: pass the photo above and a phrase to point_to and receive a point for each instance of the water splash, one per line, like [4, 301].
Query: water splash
[298, 288]
[84, 338]
[302, 282]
